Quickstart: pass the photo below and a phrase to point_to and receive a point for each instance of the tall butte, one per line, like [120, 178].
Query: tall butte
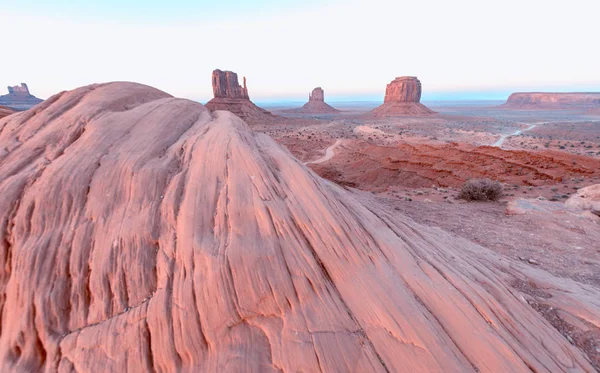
[316, 104]
[19, 98]
[231, 96]
[402, 97]
[143, 233]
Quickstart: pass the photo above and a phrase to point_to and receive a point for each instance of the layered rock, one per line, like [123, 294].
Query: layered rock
[4, 111]
[548, 100]
[19, 98]
[402, 97]
[315, 105]
[230, 96]
[211, 249]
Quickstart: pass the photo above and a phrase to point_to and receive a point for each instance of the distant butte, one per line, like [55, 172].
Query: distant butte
[553, 100]
[316, 104]
[19, 98]
[230, 96]
[402, 97]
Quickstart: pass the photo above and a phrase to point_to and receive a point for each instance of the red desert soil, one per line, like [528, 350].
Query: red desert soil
[373, 167]
[143, 233]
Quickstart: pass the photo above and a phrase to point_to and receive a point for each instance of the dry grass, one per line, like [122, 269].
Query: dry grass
[481, 190]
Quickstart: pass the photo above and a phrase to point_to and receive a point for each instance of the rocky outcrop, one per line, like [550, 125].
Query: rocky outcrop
[230, 96]
[542, 100]
[211, 249]
[19, 98]
[402, 97]
[315, 105]
[587, 198]
[225, 85]
[4, 111]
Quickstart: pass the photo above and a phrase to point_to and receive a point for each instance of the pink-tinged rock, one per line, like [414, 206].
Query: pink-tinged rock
[403, 89]
[317, 95]
[225, 85]
[143, 233]
[587, 198]
[315, 105]
[554, 100]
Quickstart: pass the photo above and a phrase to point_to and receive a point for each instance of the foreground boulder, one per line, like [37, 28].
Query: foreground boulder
[316, 104]
[141, 232]
[402, 97]
[231, 96]
[19, 98]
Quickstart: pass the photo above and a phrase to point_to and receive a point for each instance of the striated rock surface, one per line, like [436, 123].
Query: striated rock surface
[230, 96]
[315, 105]
[140, 232]
[19, 98]
[542, 100]
[5, 111]
[402, 97]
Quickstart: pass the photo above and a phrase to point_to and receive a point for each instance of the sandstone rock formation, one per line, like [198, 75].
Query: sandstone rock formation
[402, 97]
[4, 111]
[587, 198]
[19, 98]
[230, 96]
[541, 100]
[315, 105]
[141, 232]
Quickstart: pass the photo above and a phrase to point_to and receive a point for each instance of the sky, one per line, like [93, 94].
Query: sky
[460, 49]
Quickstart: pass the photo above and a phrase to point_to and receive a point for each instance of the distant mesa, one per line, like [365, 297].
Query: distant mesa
[315, 105]
[19, 98]
[402, 97]
[231, 96]
[553, 100]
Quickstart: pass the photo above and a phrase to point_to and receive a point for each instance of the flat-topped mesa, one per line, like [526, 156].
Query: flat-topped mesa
[225, 85]
[19, 98]
[553, 100]
[317, 95]
[402, 97]
[403, 89]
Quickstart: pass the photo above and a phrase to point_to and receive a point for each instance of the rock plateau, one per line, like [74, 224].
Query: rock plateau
[541, 100]
[402, 97]
[141, 232]
[316, 104]
[19, 98]
[230, 96]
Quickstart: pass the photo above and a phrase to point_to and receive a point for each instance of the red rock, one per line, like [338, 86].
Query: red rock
[542, 100]
[4, 111]
[230, 96]
[402, 97]
[225, 85]
[140, 232]
[315, 105]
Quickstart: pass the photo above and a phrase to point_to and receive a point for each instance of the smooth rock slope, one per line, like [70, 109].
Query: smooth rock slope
[4, 111]
[141, 232]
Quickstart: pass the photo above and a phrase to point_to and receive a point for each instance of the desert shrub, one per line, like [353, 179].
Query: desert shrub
[480, 190]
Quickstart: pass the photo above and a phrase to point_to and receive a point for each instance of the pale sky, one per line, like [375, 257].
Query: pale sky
[350, 48]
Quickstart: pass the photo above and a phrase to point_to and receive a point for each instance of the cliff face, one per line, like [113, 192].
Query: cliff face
[402, 97]
[225, 85]
[541, 100]
[142, 233]
[317, 95]
[315, 105]
[19, 98]
[403, 89]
